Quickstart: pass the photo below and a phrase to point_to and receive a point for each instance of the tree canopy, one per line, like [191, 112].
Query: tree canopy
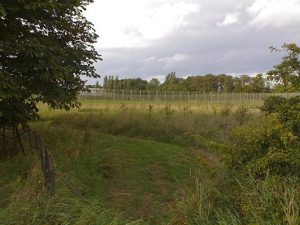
[287, 73]
[45, 48]
[206, 83]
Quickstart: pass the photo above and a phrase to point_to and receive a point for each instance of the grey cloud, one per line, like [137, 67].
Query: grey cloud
[240, 48]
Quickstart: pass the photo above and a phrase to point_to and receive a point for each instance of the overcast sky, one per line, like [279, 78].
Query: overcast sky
[147, 38]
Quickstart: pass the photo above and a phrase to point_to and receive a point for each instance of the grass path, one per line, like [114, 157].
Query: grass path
[139, 178]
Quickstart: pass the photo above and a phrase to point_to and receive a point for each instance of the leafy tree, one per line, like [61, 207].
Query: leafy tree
[287, 72]
[171, 82]
[259, 84]
[45, 48]
[153, 84]
[228, 84]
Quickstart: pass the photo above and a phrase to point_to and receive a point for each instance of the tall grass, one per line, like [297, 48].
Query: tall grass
[23, 199]
[219, 196]
[167, 123]
[240, 201]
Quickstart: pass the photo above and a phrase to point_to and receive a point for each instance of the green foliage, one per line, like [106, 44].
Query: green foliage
[287, 72]
[241, 114]
[268, 201]
[45, 48]
[171, 82]
[168, 111]
[118, 178]
[150, 109]
[153, 84]
[272, 104]
[266, 146]
[226, 200]
[288, 110]
[226, 110]
[201, 83]
[113, 82]
[24, 201]
[272, 144]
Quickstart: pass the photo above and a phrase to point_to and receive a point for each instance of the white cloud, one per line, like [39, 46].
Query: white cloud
[238, 7]
[230, 19]
[275, 13]
[135, 23]
[174, 60]
[161, 78]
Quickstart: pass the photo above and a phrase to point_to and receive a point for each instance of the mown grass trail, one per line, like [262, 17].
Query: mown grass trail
[139, 178]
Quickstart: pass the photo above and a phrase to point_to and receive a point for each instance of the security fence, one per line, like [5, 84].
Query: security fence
[210, 98]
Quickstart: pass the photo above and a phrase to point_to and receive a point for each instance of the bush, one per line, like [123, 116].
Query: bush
[241, 114]
[272, 144]
[273, 104]
[226, 110]
[264, 146]
[287, 109]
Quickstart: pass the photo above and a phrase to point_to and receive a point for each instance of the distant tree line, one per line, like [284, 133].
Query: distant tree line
[207, 83]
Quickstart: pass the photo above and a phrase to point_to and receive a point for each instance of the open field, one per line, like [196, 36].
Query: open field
[128, 162]
[135, 161]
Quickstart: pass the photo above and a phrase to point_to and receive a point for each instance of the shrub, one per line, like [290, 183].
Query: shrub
[272, 104]
[226, 110]
[265, 146]
[287, 109]
[241, 114]
[272, 144]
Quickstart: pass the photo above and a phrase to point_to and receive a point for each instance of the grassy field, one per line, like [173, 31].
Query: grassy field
[138, 178]
[128, 163]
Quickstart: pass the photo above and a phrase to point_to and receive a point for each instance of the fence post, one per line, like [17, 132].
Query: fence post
[173, 96]
[196, 98]
[148, 96]
[140, 96]
[188, 97]
[180, 97]
[260, 97]
[241, 98]
[131, 94]
[165, 97]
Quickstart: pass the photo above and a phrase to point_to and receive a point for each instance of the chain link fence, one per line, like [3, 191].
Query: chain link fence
[209, 98]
